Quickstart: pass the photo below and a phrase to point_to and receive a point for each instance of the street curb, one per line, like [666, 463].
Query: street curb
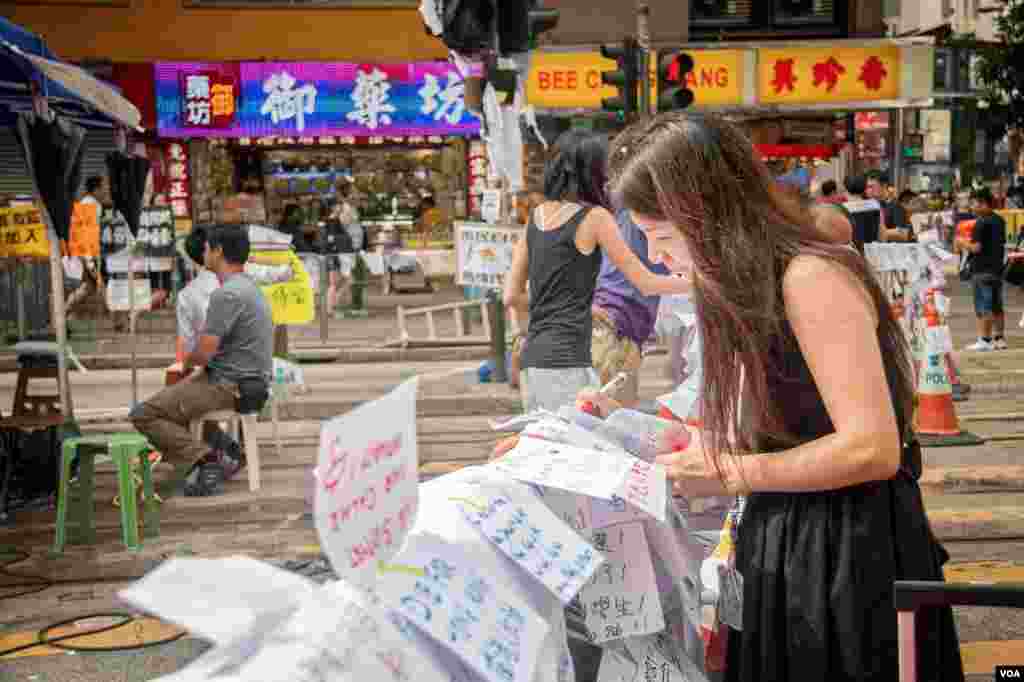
[967, 479]
[347, 356]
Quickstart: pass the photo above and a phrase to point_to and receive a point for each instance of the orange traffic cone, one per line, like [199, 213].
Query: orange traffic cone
[935, 419]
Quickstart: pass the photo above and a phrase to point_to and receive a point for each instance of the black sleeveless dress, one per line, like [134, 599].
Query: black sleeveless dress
[818, 568]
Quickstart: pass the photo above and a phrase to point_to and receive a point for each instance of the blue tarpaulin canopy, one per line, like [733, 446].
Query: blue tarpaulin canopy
[68, 89]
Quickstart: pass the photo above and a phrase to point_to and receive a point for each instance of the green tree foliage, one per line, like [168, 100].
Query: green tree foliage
[1001, 65]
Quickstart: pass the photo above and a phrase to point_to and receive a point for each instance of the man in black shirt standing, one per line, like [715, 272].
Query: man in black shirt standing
[987, 249]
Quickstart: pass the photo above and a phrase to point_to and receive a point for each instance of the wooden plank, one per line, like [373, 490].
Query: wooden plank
[431, 329]
[460, 322]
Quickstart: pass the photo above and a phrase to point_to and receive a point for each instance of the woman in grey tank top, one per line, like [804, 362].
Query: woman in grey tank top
[560, 258]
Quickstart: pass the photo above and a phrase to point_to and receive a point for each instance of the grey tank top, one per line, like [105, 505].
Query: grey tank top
[562, 282]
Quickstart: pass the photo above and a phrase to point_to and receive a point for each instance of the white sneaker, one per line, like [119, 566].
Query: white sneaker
[1000, 344]
[981, 345]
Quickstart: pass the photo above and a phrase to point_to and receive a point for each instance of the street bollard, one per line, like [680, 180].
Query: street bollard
[498, 336]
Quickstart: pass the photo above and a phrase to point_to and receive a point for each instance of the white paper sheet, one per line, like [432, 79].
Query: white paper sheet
[616, 668]
[938, 340]
[588, 472]
[528, 533]
[218, 599]
[622, 599]
[367, 477]
[476, 615]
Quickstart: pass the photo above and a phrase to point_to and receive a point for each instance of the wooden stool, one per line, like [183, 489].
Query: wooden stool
[244, 427]
[37, 405]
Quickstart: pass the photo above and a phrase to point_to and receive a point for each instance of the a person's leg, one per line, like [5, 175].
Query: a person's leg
[998, 315]
[332, 289]
[165, 417]
[983, 311]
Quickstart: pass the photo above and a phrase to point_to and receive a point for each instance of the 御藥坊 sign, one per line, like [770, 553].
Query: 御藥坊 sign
[307, 99]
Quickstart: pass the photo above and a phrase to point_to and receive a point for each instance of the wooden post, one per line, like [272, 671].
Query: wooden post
[324, 312]
[131, 326]
[19, 294]
[57, 312]
[498, 337]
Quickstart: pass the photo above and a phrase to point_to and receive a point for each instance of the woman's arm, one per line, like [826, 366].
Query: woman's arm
[515, 295]
[607, 236]
[835, 325]
[834, 322]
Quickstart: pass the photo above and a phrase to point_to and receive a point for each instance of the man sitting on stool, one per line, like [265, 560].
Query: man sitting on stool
[192, 303]
[234, 359]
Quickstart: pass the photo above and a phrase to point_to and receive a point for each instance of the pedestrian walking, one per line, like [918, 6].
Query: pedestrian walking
[561, 258]
[986, 249]
[807, 402]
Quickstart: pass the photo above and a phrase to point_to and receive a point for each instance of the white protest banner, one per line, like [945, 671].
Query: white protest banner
[622, 599]
[528, 533]
[477, 616]
[218, 598]
[366, 492]
[615, 667]
[119, 295]
[340, 633]
[588, 472]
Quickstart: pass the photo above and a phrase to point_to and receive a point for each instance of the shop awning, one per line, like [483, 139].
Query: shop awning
[68, 89]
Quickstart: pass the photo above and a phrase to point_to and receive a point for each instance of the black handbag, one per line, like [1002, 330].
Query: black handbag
[252, 395]
[1013, 272]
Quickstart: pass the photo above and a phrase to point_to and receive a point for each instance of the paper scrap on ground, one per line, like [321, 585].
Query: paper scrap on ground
[366, 492]
[621, 599]
[218, 599]
[523, 529]
[480, 618]
[588, 472]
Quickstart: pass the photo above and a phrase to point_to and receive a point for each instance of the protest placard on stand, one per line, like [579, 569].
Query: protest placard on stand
[366, 492]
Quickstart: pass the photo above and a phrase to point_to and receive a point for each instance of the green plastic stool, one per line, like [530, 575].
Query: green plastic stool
[122, 447]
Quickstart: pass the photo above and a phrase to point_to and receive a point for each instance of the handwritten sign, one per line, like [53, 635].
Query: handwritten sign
[483, 253]
[366, 495]
[436, 588]
[621, 599]
[615, 667]
[22, 233]
[156, 235]
[291, 302]
[114, 231]
[490, 205]
[525, 531]
[84, 236]
[588, 472]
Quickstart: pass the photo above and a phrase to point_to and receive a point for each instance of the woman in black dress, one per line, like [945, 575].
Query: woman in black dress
[807, 405]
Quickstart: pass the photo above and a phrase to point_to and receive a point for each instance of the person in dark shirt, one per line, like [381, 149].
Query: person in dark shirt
[987, 249]
[865, 214]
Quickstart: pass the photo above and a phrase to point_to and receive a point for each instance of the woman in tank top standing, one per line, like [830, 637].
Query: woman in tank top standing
[561, 258]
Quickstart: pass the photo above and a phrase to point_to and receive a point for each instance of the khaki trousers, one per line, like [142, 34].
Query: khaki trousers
[164, 419]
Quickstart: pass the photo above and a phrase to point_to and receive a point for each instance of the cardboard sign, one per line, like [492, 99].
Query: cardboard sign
[84, 237]
[22, 233]
[483, 253]
[366, 493]
[119, 296]
[290, 302]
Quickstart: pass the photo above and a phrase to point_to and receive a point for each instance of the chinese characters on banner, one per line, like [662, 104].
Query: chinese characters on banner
[179, 190]
[816, 75]
[484, 254]
[22, 233]
[156, 234]
[291, 302]
[367, 477]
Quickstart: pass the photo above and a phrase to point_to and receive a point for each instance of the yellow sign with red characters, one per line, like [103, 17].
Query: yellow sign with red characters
[828, 74]
[22, 233]
[572, 80]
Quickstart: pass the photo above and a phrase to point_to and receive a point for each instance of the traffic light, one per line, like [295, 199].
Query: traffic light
[520, 22]
[673, 68]
[625, 78]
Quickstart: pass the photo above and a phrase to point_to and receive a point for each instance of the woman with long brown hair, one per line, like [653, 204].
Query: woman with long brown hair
[806, 407]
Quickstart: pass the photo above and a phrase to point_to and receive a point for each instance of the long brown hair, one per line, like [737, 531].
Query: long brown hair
[701, 173]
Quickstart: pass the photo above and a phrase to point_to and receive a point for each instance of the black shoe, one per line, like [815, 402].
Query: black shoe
[205, 479]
